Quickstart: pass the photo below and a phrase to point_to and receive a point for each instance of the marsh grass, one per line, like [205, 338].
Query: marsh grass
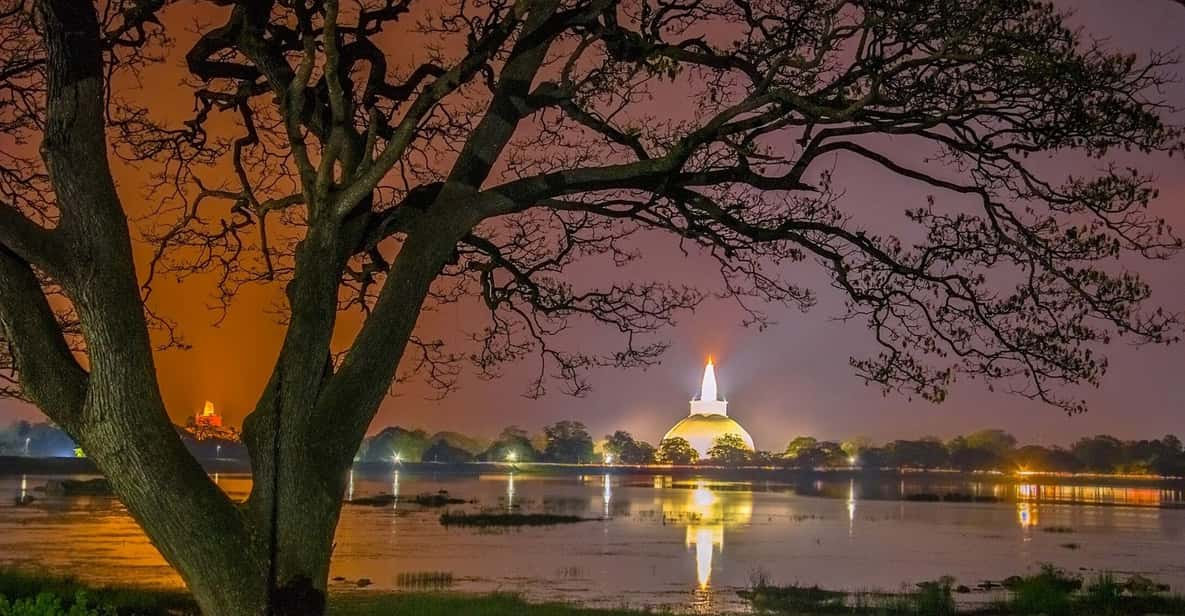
[458, 518]
[456, 604]
[20, 585]
[425, 580]
[50, 595]
[930, 598]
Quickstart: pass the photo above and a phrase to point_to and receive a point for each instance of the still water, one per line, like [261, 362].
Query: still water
[683, 543]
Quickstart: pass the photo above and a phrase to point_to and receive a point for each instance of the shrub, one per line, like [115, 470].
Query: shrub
[47, 604]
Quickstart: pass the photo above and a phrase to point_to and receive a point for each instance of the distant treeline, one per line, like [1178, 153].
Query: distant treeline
[46, 440]
[570, 442]
[985, 450]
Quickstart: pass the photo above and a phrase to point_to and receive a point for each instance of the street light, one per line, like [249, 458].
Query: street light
[27, 439]
[511, 456]
[608, 458]
[218, 452]
[397, 458]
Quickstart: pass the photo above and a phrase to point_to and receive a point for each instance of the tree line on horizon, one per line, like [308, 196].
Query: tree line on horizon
[984, 450]
[569, 441]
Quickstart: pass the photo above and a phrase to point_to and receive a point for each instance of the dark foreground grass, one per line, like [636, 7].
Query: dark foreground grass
[453, 604]
[1049, 592]
[452, 518]
[67, 593]
[42, 594]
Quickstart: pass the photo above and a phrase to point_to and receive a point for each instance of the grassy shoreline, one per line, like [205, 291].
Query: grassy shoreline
[56, 595]
[1049, 592]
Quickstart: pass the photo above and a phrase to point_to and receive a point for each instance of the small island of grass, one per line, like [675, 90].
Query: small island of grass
[455, 518]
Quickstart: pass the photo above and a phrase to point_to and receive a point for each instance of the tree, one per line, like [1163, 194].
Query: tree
[853, 447]
[624, 449]
[389, 443]
[520, 142]
[924, 453]
[676, 450]
[729, 450]
[999, 442]
[512, 444]
[1102, 454]
[798, 445]
[442, 451]
[473, 445]
[569, 442]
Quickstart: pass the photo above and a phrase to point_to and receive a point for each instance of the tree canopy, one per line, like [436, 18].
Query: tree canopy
[676, 450]
[323, 157]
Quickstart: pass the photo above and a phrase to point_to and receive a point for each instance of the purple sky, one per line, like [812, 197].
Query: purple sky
[793, 378]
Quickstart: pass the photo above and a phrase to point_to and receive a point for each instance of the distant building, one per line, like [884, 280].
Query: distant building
[708, 419]
[208, 418]
[208, 425]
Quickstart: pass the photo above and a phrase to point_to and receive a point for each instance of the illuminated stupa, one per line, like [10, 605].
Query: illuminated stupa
[709, 418]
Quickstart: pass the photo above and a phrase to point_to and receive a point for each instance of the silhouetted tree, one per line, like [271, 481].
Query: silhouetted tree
[441, 451]
[676, 450]
[521, 140]
[1103, 453]
[473, 445]
[624, 449]
[998, 442]
[798, 445]
[729, 450]
[924, 453]
[514, 443]
[853, 447]
[568, 441]
[408, 445]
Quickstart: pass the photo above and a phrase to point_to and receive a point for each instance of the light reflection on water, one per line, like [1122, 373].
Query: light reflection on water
[662, 541]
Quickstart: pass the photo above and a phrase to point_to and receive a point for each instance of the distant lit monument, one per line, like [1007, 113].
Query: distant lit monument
[709, 418]
[209, 418]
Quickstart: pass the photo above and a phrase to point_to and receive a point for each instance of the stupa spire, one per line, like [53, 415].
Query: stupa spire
[708, 388]
[709, 402]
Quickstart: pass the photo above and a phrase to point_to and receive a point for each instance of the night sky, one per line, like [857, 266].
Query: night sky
[792, 378]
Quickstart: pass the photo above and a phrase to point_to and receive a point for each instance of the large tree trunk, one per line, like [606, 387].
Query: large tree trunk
[271, 554]
[308, 424]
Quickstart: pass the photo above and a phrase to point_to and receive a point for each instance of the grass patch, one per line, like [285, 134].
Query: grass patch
[931, 599]
[1048, 592]
[426, 499]
[41, 594]
[42, 591]
[425, 580]
[452, 518]
[453, 604]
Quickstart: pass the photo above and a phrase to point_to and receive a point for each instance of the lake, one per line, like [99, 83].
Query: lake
[686, 543]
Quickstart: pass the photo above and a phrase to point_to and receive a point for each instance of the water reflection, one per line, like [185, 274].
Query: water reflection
[706, 511]
[851, 507]
[1027, 515]
[606, 492]
[1147, 497]
[773, 527]
[395, 490]
[350, 487]
[24, 488]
